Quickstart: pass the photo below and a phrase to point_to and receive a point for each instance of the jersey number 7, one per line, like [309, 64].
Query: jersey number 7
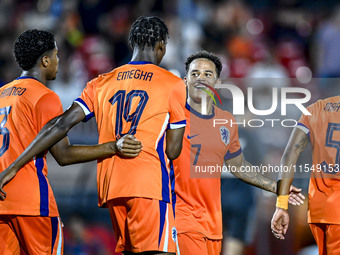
[123, 109]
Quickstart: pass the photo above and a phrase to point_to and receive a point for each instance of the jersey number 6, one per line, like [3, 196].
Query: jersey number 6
[3, 130]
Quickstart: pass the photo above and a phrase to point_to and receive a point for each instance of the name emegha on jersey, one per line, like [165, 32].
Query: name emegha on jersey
[135, 74]
[13, 91]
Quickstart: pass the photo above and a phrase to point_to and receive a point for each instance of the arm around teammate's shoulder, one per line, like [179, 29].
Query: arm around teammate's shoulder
[52, 132]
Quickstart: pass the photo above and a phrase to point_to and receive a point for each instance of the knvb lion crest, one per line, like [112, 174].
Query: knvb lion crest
[225, 135]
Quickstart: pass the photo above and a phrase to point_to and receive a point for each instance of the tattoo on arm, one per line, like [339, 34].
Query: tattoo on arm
[256, 178]
[301, 145]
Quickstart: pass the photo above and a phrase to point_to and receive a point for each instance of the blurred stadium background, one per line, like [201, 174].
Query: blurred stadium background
[296, 41]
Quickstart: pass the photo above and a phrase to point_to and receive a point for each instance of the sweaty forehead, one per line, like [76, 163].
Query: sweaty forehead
[202, 64]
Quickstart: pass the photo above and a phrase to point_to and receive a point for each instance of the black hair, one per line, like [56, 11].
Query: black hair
[30, 45]
[206, 55]
[147, 31]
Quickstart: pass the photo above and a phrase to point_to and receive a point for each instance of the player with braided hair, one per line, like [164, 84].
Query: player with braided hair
[139, 100]
[147, 31]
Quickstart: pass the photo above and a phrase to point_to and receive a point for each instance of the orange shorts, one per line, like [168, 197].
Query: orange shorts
[143, 224]
[194, 243]
[33, 234]
[327, 237]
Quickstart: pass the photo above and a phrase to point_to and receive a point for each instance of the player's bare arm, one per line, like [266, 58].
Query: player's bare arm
[174, 138]
[66, 154]
[298, 141]
[296, 144]
[254, 178]
[52, 132]
[260, 180]
[55, 130]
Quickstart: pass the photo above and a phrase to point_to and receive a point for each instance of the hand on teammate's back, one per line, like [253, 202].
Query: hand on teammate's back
[128, 146]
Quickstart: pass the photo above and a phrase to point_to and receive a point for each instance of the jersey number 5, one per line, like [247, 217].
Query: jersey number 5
[3, 130]
[124, 107]
[330, 142]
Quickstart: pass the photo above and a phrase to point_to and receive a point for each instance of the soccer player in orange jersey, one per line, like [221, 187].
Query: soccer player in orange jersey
[321, 129]
[143, 100]
[29, 216]
[198, 215]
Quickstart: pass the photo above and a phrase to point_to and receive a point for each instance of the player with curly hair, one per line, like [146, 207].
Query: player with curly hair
[138, 99]
[29, 217]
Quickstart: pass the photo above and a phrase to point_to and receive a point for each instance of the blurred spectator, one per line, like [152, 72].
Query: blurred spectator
[91, 11]
[328, 40]
[267, 71]
[290, 54]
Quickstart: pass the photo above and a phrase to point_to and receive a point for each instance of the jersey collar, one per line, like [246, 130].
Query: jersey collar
[27, 77]
[139, 62]
[191, 110]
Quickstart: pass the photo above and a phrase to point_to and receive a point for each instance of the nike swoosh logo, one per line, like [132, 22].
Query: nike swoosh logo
[189, 137]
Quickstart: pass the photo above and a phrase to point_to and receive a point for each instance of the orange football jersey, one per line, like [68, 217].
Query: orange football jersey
[26, 105]
[323, 129]
[198, 191]
[144, 100]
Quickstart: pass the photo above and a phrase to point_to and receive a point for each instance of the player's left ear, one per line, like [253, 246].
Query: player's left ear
[161, 46]
[219, 81]
[45, 61]
[160, 50]
[185, 81]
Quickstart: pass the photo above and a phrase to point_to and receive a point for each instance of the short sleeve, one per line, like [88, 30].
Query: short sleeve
[304, 121]
[235, 146]
[177, 100]
[85, 101]
[46, 108]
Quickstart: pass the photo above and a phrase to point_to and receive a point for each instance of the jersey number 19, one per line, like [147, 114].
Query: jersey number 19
[124, 102]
